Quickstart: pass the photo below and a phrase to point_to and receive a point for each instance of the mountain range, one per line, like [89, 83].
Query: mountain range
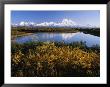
[63, 23]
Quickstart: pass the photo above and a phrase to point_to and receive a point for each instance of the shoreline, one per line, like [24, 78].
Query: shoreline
[15, 36]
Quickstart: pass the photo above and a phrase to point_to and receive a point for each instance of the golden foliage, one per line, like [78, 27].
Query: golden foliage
[50, 60]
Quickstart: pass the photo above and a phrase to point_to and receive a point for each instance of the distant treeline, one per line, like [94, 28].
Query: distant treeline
[93, 31]
[45, 29]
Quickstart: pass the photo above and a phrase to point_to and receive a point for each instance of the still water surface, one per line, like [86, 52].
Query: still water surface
[59, 37]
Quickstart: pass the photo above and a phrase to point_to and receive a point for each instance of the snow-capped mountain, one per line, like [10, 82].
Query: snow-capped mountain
[63, 23]
[26, 23]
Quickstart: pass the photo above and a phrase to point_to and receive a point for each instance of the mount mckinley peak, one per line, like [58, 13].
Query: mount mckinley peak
[63, 23]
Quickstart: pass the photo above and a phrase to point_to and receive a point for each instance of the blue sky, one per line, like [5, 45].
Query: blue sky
[82, 17]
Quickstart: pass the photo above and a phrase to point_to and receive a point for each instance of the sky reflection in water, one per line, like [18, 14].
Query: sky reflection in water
[66, 37]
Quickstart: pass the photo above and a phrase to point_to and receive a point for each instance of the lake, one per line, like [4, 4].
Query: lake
[59, 37]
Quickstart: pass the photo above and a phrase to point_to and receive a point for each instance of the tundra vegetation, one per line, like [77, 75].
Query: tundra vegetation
[54, 59]
[22, 30]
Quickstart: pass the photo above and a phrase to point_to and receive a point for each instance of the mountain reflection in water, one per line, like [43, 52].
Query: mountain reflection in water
[59, 37]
